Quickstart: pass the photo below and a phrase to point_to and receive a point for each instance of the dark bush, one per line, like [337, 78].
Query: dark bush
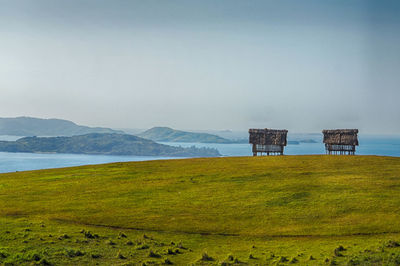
[283, 259]
[35, 257]
[392, 244]
[43, 262]
[110, 242]
[338, 250]
[167, 261]
[64, 236]
[341, 248]
[206, 257]
[3, 254]
[120, 256]
[143, 247]
[74, 253]
[153, 255]
[181, 246]
[89, 234]
[170, 252]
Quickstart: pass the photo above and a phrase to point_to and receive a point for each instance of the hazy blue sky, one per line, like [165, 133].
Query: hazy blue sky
[299, 65]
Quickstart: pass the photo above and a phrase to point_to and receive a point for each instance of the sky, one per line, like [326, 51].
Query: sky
[210, 64]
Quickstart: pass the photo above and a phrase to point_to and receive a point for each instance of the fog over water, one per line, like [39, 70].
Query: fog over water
[229, 64]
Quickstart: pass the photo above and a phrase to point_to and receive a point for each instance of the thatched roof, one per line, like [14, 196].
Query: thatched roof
[341, 136]
[268, 136]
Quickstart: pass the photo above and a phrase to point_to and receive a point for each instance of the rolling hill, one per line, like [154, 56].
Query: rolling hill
[304, 210]
[102, 143]
[30, 126]
[166, 134]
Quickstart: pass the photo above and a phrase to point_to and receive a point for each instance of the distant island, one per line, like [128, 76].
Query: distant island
[166, 134]
[30, 126]
[297, 142]
[307, 141]
[103, 143]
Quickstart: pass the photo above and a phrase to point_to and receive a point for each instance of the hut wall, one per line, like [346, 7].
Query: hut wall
[340, 141]
[268, 140]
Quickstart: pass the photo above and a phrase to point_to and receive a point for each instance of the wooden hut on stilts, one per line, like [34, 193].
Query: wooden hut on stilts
[268, 141]
[340, 141]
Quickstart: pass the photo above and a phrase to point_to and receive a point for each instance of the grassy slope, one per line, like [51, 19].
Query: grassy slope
[283, 205]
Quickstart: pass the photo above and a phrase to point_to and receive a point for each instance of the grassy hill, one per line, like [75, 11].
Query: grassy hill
[166, 134]
[308, 210]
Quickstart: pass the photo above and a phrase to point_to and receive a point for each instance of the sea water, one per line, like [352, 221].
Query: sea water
[11, 162]
[368, 145]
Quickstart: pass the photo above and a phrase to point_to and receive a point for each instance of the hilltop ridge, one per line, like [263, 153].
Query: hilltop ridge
[167, 134]
[31, 126]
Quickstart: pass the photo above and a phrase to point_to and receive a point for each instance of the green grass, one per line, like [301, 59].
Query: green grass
[262, 210]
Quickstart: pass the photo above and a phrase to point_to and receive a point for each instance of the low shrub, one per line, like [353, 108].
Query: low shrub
[89, 234]
[236, 261]
[180, 245]
[110, 242]
[63, 236]
[338, 250]
[143, 247]
[392, 244]
[341, 248]
[120, 256]
[73, 253]
[283, 259]
[35, 257]
[168, 262]
[177, 251]
[95, 256]
[153, 254]
[206, 257]
[43, 262]
[3, 254]
[353, 262]
[170, 252]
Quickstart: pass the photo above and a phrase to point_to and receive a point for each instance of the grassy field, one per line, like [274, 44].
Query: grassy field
[307, 210]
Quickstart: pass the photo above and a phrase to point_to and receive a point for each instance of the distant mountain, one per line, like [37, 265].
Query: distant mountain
[102, 143]
[166, 134]
[307, 141]
[29, 126]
